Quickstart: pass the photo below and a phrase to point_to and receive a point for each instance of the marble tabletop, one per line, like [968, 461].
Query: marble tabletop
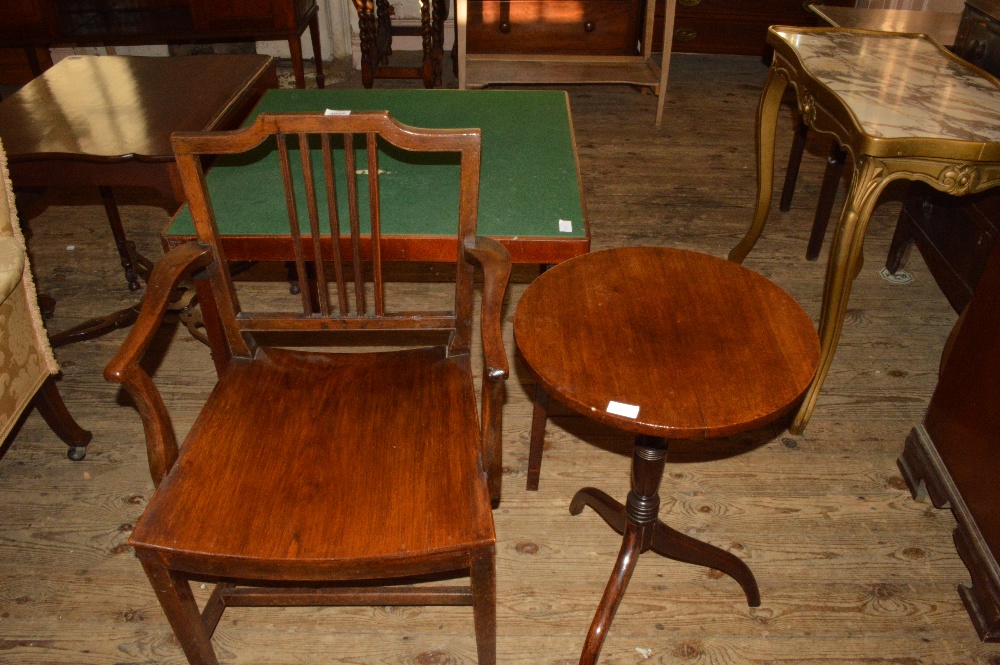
[901, 86]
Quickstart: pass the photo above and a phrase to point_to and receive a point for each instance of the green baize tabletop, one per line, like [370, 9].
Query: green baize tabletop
[530, 196]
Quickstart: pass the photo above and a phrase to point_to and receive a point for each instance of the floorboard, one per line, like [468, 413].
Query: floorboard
[851, 569]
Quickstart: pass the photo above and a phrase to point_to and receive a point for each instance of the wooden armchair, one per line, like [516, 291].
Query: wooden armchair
[27, 365]
[318, 477]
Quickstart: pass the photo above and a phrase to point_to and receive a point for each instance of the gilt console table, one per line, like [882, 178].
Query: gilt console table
[903, 107]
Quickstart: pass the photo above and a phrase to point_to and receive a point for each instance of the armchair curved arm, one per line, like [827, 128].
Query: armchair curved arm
[124, 368]
[495, 262]
[494, 259]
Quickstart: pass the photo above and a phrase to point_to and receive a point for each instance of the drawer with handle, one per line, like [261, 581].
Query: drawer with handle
[589, 27]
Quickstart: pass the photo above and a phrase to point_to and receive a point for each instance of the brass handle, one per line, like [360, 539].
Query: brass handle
[505, 27]
[689, 3]
[926, 209]
[684, 35]
[982, 48]
[589, 26]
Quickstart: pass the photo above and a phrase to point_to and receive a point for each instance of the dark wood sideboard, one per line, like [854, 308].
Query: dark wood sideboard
[732, 26]
[615, 27]
[33, 24]
[953, 457]
[555, 27]
[955, 236]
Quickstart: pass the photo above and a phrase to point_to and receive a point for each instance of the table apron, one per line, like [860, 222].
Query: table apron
[395, 248]
[161, 176]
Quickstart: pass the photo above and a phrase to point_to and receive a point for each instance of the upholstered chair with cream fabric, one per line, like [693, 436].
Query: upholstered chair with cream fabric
[27, 365]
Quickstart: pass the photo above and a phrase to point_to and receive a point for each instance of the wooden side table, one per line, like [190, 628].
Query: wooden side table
[666, 344]
[903, 107]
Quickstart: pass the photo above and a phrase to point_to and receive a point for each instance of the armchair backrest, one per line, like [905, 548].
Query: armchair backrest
[332, 213]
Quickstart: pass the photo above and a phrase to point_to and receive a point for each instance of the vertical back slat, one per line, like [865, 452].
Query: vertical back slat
[312, 207]
[293, 222]
[334, 217]
[376, 221]
[289, 132]
[352, 204]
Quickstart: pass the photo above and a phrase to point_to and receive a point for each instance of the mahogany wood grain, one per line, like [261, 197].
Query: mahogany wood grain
[704, 347]
[696, 345]
[311, 468]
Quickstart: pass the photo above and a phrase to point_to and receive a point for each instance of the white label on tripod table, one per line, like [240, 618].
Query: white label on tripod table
[620, 409]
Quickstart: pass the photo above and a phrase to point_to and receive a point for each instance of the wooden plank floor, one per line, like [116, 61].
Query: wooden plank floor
[851, 569]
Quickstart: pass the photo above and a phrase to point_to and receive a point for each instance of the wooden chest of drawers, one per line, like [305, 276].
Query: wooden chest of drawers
[955, 235]
[731, 26]
[557, 27]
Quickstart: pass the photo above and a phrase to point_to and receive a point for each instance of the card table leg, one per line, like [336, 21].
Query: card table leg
[539, 414]
[767, 120]
[126, 252]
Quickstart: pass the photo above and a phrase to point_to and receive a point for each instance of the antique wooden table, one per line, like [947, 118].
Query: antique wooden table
[665, 344]
[903, 107]
[105, 122]
[530, 197]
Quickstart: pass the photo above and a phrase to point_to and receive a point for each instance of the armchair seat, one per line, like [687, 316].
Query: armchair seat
[369, 430]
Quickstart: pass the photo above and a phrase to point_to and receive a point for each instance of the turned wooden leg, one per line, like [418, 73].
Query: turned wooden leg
[50, 405]
[539, 414]
[767, 120]
[648, 458]
[121, 242]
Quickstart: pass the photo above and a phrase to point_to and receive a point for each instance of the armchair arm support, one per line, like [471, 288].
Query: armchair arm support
[495, 262]
[124, 368]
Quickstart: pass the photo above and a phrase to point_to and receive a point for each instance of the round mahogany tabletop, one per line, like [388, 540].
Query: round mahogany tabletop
[666, 342]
